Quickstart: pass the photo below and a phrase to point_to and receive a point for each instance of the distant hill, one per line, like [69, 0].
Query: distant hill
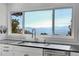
[58, 30]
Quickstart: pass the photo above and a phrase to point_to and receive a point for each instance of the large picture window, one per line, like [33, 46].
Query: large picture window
[46, 22]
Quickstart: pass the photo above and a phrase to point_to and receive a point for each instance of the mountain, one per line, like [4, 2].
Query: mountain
[58, 30]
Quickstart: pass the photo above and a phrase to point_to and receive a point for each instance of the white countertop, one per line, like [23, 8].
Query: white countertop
[54, 46]
[40, 45]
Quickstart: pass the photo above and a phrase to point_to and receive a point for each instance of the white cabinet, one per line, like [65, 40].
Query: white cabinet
[0, 51]
[10, 50]
[35, 52]
[48, 52]
[74, 54]
[6, 50]
[27, 51]
[6, 53]
[21, 53]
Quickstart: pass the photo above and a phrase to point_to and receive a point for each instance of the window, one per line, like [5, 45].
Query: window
[16, 22]
[46, 22]
[62, 21]
[40, 20]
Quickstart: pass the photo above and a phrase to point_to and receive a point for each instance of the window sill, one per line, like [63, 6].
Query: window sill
[57, 37]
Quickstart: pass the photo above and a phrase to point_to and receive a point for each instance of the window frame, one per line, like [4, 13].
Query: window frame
[54, 19]
[42, 10]
[53, 9]
[11, 24]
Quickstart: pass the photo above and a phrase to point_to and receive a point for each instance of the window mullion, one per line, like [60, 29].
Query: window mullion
[53, 21]
[23, 23]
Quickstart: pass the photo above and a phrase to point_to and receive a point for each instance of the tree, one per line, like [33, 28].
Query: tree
[15, 24]
[70, 30]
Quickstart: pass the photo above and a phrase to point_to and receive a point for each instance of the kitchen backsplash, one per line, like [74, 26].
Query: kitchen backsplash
[3, 29]
[2, 36]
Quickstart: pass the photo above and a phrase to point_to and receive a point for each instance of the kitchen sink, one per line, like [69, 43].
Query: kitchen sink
[32, 44]
[46, 45]
[37, 44]
[58, 46]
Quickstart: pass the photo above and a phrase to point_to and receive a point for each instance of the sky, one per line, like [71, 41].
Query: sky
[63, 17]
[43, 19]
[38, 19]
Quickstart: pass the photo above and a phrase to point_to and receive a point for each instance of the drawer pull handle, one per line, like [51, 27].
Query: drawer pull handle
[26, 55]
[6, 47]
[6, 50]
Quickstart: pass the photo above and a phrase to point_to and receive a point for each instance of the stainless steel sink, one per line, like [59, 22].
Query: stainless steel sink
[58, 46]
[46, 45]
[32, 44]
[55, 46]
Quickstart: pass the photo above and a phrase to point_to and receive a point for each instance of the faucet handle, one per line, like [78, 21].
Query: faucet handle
[33, 32]
[44, 40]
[36, 39]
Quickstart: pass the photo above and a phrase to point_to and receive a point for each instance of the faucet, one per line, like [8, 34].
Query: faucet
[34, 34]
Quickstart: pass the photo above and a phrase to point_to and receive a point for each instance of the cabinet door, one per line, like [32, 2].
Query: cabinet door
[74, 54]
[7, 50]
[8, 47]
[35, 52]
[27, 51]
[0, 51]
[21, 53]
[48, 52]
[7, 54]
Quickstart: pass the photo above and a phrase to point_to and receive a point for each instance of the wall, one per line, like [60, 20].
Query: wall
[3, 14]
[25, 7]
[3, 17]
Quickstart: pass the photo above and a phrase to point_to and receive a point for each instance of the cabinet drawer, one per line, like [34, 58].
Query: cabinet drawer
[19, 48]
[19, 53]
[7, 47]
[7, 54]
[54, 53]
[0, 52]
[6, 50]
[74, 54]
[28, 51]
